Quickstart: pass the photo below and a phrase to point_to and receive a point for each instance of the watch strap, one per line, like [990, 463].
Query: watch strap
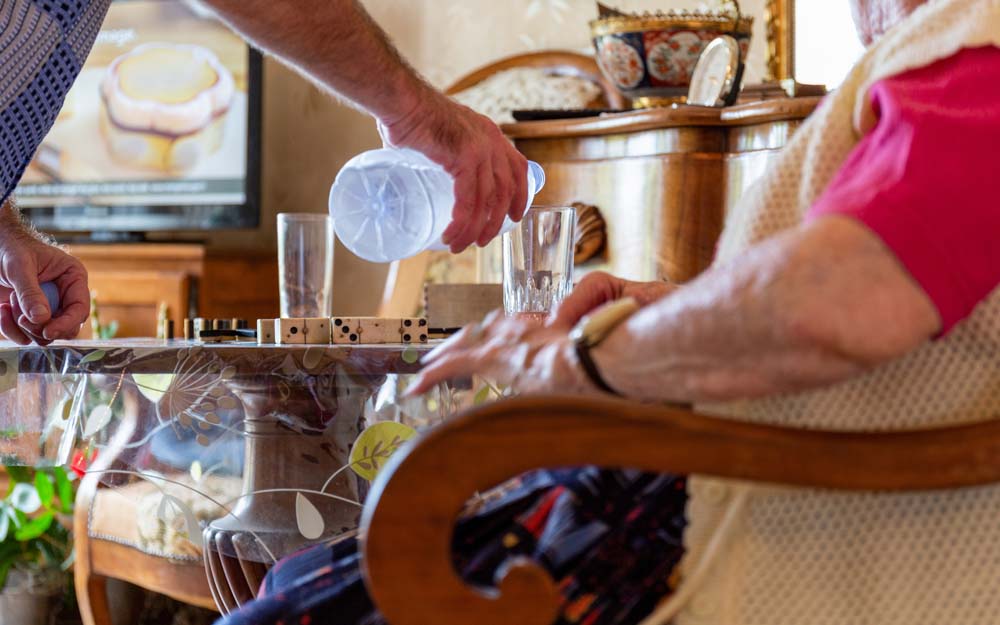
[590, 368]
[592, 329]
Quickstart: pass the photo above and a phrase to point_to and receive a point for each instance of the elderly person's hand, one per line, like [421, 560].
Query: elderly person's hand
[532, 355]
[514, 351]
[599, 288]
[490, 174]
[25, 263]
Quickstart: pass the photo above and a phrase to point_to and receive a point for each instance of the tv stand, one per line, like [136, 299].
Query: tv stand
[133, 281]
[108, 237]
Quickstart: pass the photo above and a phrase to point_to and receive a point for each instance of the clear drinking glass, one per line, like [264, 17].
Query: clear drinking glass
[538, 261]
[305, 265]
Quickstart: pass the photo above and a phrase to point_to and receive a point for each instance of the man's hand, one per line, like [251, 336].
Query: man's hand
[490, 174]
[599, 288]
[25, 263]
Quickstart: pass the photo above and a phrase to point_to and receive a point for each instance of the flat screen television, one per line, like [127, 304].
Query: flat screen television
[161, 130]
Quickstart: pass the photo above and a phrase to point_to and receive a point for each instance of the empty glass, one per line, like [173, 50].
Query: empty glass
[538, 261]
[305, 265]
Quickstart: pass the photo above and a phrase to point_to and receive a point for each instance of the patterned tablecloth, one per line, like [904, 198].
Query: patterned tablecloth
[258, 440]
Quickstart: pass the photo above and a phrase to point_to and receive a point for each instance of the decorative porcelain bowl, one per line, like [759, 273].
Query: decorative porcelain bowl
[651, 57]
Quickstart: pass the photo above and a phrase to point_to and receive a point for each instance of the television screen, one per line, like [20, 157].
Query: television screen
[160, 132]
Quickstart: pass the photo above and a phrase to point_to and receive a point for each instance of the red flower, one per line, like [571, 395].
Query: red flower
[81, 462]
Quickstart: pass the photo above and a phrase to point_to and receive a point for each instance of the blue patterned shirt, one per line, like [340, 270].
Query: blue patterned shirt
[43, 44]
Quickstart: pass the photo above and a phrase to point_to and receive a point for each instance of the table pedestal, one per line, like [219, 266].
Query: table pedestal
[297, 438]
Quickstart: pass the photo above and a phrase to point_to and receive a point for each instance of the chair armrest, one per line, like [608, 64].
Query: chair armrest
[408, 521]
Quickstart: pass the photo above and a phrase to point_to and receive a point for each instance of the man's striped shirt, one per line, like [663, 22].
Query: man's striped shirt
[43, 44]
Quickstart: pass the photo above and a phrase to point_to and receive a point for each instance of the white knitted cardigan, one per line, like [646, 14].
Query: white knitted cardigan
[775, 556]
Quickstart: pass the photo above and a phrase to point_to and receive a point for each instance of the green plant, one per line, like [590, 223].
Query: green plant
[32, 538]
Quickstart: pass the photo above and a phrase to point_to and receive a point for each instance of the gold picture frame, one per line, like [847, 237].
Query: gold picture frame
[779, 21]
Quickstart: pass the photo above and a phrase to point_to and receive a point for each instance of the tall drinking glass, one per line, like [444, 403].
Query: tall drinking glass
[538, 261]
[305, 265]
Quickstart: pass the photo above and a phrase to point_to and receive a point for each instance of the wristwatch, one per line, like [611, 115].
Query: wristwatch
[594, 328]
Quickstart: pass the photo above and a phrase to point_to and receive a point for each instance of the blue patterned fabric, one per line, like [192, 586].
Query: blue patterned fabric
[43, 44]
[610, 539]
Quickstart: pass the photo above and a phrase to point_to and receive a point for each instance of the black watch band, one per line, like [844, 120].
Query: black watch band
[590, 368]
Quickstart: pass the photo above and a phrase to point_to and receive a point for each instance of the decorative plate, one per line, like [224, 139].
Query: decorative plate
[717, 73]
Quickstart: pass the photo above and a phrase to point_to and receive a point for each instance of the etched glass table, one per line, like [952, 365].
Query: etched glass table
[246, 452]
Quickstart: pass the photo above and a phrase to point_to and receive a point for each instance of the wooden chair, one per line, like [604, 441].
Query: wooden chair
[560, 62]
[404, 286]
[106, 547]
[408, 526]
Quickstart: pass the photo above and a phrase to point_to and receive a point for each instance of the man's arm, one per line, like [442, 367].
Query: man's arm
[336, 44]
[809, 307]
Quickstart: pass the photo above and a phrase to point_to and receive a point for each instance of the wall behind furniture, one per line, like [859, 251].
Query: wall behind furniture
[446, 39]
[308, 136]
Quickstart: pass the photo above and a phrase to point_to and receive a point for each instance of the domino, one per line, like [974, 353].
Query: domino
[344, 331]
[317, 331]
[379, 331]
[290, 331]
[364, 330]
[375, 331]
[265, 332]
[413, 330]
[218, 336]
[200, 324]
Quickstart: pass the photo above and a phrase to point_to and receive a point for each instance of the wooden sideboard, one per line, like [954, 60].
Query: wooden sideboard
[132, 281]
[663, 179]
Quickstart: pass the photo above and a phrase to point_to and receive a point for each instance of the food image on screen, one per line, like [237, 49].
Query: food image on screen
[164, 106]
[159, 116]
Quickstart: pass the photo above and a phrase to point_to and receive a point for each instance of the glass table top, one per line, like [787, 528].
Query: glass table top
[256, 440]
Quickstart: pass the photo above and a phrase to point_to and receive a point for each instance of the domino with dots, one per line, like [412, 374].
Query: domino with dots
[265, 332]
[290, 331]
[378, 331]
[413, 330]
[345, 331]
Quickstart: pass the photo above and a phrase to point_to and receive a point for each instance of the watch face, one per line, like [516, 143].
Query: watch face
[715, 74]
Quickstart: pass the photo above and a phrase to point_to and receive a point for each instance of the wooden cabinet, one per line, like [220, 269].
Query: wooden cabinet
[663, 179]
[240, 284]
[132, 282]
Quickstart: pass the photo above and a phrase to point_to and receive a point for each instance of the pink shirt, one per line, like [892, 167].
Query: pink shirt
[926, 179]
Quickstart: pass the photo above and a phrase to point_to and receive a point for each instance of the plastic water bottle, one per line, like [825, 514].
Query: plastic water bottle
[391, 204]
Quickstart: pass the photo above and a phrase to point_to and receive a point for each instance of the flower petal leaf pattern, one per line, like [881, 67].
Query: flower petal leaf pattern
[376, 445]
